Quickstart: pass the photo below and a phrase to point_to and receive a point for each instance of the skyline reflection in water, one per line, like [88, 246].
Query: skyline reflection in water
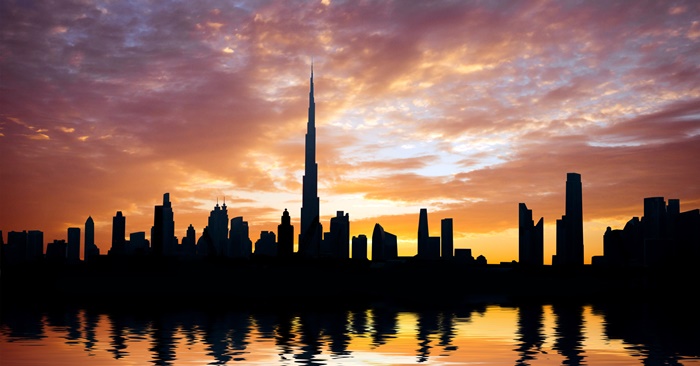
[522, 334]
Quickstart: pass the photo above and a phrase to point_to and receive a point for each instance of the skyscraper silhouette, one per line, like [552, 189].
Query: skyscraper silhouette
[340, 235]
[423, 234]
[239, 238]
[311, 230]
[384, 244]
[163, 230]
[285, 236]
[35, 245]
[359, 247]
[530, 238]
[89, 238]
[118, 234]
[218, 229]
[447, 236]
[189, 248]
[73, 245]
[570, 226]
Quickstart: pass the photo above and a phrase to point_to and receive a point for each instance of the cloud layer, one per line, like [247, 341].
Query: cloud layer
[467, 108]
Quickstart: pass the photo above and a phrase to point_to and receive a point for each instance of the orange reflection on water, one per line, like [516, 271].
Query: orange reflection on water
[491, 335]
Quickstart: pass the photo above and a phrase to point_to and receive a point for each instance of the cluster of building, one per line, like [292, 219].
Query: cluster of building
[230, 238]
[664, 233]
[223, 238]
[569, 230]
[663, 236]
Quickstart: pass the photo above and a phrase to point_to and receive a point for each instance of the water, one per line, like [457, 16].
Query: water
[483, 334]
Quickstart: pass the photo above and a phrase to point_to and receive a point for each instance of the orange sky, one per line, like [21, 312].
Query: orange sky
[465, 108]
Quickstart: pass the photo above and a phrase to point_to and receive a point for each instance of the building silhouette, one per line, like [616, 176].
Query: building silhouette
[23, 246]
[205, 245]
[530, 238]
[664, 236]
[239, 237]
[138, 244]
[266, 245]
[218, 229]
[428, 246]
[423, 234]
[285, 236]
[163, 230]
[35, 245]
[118, 235]
[359, 247]
[189, 243]
[311, 229]
[73, 245]
[56, 251]
[339, 236]
[464, 255]
[570, 226]
[447, 236]
[90, 250]
[384, 244]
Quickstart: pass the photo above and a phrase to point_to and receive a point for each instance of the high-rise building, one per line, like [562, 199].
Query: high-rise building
[378, 243]
[447, 235]
[311, 229]
[118, 235]
[530, 238]
[423, 234]
[384, 244]
[241, 245]
[16, 247]
[359, 247]
[90, 250]
[73, 245]
[218, 229]
[340, 236]
[664, 236]
[285, 236]
[189, 242]
[570, 226]
[163, 230]
[35, 245]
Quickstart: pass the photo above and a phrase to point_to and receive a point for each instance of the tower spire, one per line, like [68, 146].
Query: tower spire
[311, 230]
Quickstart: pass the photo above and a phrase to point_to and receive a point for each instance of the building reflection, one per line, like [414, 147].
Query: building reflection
[427, 326]
[117, 337]
[384, 325]
[163, 341]
[323, 337]
[569, 332]
[530, 332]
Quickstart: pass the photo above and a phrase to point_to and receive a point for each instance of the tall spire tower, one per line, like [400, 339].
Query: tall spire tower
[311, 230]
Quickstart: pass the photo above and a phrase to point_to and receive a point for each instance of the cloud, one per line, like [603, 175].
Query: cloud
[106, 106]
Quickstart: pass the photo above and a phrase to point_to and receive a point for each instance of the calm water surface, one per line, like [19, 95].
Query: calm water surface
[488, 334]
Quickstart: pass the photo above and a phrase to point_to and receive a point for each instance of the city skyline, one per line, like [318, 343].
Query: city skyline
[464, 109]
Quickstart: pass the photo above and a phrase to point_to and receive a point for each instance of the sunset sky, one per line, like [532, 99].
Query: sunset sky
[466, 108]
